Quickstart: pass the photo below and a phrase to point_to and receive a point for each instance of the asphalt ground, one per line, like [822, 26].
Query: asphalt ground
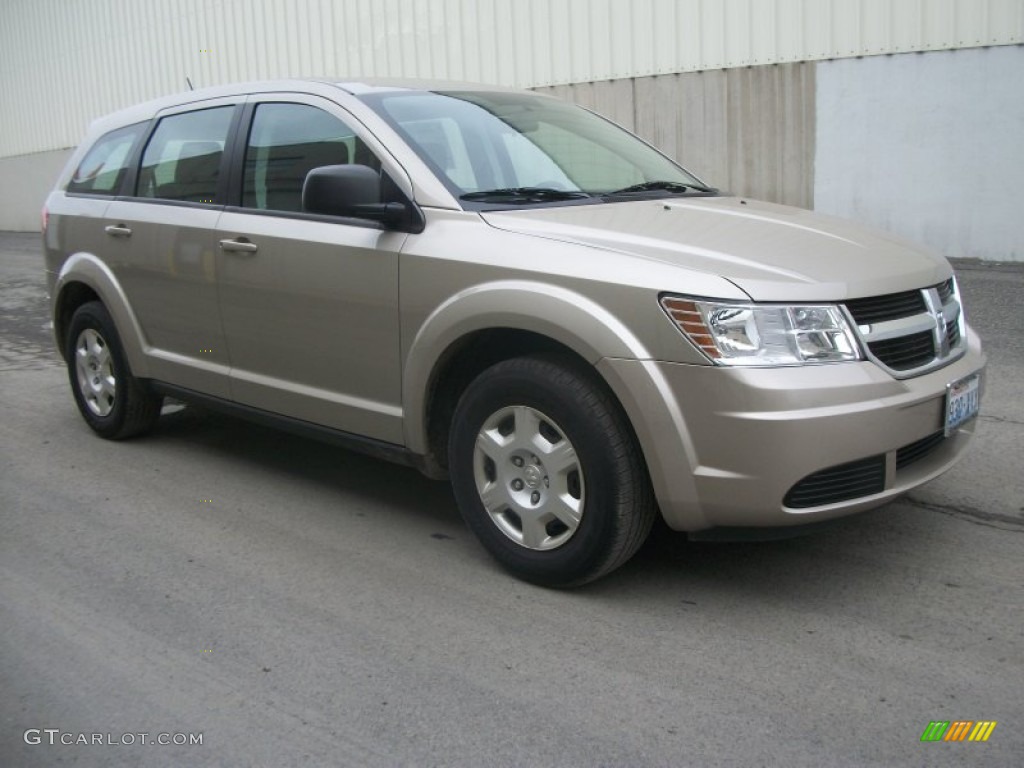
[291, 603]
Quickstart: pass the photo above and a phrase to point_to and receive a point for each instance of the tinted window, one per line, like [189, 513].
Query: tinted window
[182, 159]
[103, 166]
[286, 142]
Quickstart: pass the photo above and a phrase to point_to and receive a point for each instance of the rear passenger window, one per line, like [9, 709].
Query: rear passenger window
[103, 167]
[286, 142]
[182, 159]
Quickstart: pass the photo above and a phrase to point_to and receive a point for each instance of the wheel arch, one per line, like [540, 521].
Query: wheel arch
[71, 296]
[84, 278]
[485, 325]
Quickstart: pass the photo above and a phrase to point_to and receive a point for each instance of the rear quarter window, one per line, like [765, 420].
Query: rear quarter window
[103, 167]
[183, 158]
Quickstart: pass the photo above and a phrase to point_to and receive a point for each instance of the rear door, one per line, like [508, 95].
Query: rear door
[309, 302]
[76, 223]
[162, 249]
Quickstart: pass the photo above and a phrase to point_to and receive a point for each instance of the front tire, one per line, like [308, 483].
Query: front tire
[113, 403]
[547, 473]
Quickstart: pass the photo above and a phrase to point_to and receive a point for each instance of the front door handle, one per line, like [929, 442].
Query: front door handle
[238, 245]
[117, 230]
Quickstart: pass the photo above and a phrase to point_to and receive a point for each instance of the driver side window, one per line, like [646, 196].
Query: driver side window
[286, 142]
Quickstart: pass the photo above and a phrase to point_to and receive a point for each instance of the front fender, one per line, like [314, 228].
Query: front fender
[88, 270]
[558, 313]
[596, 335]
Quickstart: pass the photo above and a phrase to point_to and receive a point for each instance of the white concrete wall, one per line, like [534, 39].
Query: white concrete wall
[25, 181]
[746, 130]
[929, 146]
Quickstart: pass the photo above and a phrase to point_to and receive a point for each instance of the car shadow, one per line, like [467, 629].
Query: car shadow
[310, 460]
[668, 566]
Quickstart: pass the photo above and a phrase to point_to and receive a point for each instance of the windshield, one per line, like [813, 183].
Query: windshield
[514, 148]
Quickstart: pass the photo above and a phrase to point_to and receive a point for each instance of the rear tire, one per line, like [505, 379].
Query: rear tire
[547, 473]
[113, 403]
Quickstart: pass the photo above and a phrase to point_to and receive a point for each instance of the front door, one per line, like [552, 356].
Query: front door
[309, 303]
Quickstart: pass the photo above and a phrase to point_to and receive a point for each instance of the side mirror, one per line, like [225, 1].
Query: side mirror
[356, 191]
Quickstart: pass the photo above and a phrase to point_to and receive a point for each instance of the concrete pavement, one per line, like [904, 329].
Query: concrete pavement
[296, 604]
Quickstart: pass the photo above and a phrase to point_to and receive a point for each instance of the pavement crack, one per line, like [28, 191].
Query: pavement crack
[971, 515]
[1001, 419]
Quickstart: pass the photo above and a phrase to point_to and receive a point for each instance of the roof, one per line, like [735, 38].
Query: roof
[321, 86]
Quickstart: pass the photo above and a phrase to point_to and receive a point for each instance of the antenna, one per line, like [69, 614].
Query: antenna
[190, 86]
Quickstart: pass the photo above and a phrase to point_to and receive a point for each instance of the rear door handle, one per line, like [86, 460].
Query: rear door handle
[238, 245]
[117, 230]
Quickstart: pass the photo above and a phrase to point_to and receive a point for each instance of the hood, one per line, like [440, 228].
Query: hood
[771, 252]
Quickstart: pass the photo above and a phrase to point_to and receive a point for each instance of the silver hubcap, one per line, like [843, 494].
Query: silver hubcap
[95, 371]
[529, 478]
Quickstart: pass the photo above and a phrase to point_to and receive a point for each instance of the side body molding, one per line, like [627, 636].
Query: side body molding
[87, 269]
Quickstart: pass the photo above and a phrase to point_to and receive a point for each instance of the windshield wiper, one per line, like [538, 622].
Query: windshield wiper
[674, 187]
[522, 195]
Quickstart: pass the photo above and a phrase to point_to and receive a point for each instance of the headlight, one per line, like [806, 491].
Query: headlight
[764, 334]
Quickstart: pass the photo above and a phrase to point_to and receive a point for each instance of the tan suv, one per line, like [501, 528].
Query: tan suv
[501, 288]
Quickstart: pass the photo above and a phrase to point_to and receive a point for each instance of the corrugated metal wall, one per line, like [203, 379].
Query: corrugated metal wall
[64, 62]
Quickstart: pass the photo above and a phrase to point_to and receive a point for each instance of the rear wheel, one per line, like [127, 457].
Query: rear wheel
[113, 403]
[547, 473]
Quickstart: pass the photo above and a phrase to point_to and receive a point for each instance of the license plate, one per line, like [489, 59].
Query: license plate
[963, 398]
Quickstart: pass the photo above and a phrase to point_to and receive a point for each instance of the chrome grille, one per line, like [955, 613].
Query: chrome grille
[911, 332]
[906, 352]
[890, 307]
[946, 290]
[953, 334]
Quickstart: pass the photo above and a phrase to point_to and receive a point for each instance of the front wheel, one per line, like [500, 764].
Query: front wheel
[112, 401]
[547, 473]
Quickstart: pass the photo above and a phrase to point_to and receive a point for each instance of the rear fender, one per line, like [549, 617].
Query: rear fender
[90, 271]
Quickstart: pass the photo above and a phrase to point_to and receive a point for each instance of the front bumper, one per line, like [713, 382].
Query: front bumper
[732, 447]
